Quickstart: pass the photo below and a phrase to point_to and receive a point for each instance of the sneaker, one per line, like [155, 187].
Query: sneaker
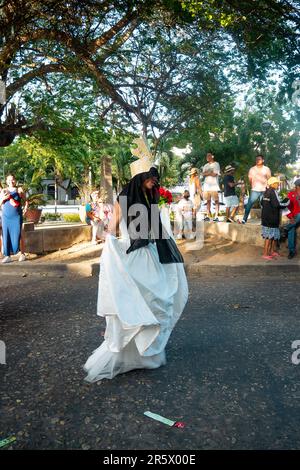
[7, 259]
[243, 222]
[216, 219]
[206, 219]
[228, 221]
[291, 255]
[22, 257]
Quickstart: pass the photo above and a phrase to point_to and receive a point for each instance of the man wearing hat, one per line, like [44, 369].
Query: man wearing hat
[294, 216]
[231, 199]
[270, 219]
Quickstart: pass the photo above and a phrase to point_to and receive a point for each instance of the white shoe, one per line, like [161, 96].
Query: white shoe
[22, 257]
[7, 259]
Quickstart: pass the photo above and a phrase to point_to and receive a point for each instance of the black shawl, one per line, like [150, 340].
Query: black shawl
[133, 194]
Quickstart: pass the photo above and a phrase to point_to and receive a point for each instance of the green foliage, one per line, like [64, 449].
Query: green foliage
[172, 70]
[35, 200]
[51, 216]
[236, 135]
[71, 218]
[176, 37]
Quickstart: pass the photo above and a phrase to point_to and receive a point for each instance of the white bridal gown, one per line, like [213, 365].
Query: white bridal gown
[141, 300]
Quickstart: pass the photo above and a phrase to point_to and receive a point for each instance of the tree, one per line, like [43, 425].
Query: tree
[78, 38]
[236, 135]
[75, 142]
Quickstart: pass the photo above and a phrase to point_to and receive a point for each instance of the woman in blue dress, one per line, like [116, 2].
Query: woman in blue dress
[12, 219]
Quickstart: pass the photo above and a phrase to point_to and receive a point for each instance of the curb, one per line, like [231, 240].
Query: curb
[86, 269]
[257, 269]
[47, 269]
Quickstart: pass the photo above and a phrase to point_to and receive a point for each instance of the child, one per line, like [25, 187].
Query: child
[184, 217]
[93, 217]
[270, 219]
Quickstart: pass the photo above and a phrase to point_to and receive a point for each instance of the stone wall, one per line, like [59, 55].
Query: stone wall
[44, 240]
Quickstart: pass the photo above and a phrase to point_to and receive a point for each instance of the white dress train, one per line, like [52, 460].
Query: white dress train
[141, 300]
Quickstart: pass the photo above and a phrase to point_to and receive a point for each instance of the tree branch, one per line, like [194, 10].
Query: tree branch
[39, 72]
[108, 35]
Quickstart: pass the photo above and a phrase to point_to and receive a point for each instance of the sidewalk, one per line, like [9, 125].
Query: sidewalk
[83, 259]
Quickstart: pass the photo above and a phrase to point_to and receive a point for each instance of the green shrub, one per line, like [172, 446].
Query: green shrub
[51, 216]
[71, 218]
[283, 193]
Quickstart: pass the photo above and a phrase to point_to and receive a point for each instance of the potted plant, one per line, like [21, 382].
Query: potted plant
[33, 213]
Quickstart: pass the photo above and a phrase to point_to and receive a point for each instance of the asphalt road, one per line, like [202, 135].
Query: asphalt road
[229, 374]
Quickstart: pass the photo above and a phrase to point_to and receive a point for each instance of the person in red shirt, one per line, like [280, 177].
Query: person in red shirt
[294, 216]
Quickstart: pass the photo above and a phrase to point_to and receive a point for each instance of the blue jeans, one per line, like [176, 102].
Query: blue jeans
[254, 195]
[291, 228]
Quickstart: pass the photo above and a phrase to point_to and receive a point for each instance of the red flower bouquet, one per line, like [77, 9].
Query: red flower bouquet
[165, 197]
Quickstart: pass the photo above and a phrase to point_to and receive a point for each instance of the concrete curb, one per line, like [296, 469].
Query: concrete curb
[46, 269]
[87, 269]
[222, 270]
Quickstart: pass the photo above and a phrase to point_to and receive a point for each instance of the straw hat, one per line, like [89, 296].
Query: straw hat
[228, 168]
[273, 180]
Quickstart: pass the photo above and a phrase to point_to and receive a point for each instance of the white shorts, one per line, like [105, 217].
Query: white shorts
[232, 201]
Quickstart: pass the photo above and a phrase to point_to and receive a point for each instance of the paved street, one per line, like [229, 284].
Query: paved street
[229, 374]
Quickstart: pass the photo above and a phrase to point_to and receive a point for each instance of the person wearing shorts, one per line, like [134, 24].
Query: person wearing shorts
[231, 199]
[211, 188]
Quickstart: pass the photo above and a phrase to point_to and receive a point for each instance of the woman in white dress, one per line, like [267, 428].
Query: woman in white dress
[142, 285]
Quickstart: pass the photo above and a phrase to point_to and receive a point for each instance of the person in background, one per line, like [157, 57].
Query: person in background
[195, 188]
[184, 217]
[270, 218]
[231, 199]
[211, 188]
[93, 217]
[294, 216]
[105, 213]
[12, 218]
[1, 187]
[258, 177]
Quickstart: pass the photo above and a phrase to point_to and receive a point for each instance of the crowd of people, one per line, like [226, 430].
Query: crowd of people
[264, 188]
[202, 191]
[141, 310]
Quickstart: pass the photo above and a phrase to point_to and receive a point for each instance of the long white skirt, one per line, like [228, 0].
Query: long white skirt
[141, 300]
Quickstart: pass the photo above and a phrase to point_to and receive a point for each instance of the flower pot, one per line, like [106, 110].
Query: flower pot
[33, 215]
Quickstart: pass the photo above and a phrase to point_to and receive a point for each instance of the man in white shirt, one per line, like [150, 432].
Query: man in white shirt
[258, 177]
[211, 188]
[184, 218]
